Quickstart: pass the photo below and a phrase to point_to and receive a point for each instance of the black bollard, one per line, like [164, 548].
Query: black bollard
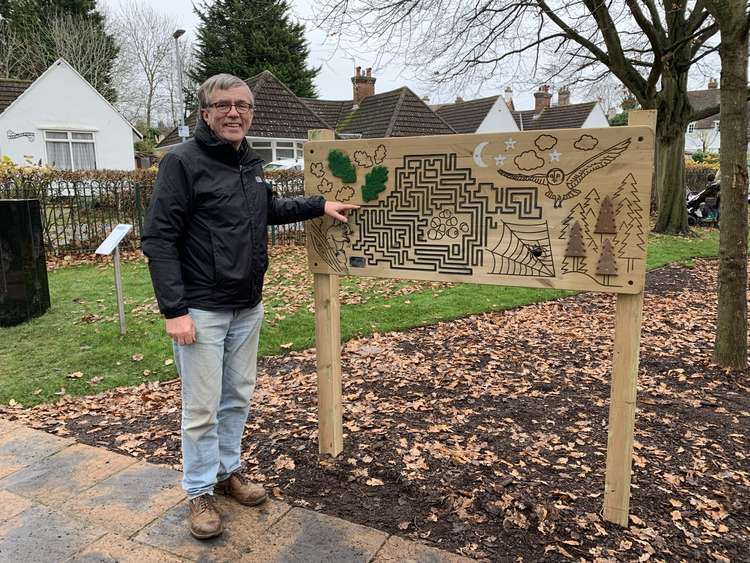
[24, 291]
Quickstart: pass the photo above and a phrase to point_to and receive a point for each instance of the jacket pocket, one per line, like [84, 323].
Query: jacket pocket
[199, 260]
[214, 260]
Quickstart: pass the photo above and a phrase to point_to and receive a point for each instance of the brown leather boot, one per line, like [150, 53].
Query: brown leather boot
[205, 520]
[241, 490]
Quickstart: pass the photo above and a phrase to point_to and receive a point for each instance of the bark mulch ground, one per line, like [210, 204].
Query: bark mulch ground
[487, 435]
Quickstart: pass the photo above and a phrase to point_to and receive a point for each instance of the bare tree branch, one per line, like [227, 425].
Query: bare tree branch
[648, 45]
[705, 54]
[146, 42]
[708, 111]
[647, 26]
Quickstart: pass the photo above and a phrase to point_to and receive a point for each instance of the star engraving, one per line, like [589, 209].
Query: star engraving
[510, 144]
[554, 156]
[499, 159]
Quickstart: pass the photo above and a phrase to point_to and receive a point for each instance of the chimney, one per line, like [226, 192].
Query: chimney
[459, 99]
[363, 85]
[509, 97]
[426, 99]
[712, 83]
[563, 96]
[541, 99]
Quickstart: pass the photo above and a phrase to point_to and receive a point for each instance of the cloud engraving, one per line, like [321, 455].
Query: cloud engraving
[528, 160]
[586, 143]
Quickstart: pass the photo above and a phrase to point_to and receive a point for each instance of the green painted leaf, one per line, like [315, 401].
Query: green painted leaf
[342, 167]
[374, 183]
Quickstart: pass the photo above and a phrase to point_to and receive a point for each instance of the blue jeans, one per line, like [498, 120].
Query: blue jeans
[218, 378]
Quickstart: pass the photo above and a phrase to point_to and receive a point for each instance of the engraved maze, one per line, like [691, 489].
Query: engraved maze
[439, 219]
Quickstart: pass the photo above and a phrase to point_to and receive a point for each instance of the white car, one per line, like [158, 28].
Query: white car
[285, 164]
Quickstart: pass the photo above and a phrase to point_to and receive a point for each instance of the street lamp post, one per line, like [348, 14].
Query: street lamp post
[177, 34]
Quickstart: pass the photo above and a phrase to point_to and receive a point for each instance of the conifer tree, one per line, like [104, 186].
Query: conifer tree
[246, 37]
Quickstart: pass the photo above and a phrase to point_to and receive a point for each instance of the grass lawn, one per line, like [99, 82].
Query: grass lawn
[75, 348]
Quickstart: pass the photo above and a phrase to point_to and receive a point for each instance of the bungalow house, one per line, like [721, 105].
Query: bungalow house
[705, 134]
[398, 113]
[282, 119]
[498, 114]
[60, 120]
[484, 115]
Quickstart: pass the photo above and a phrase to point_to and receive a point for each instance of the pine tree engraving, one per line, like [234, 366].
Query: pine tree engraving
[607, 264]
[631, 239]
[575, 251]
[584, 214]
[605, 222]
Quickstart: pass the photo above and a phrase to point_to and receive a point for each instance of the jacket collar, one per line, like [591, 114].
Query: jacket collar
[223, 150]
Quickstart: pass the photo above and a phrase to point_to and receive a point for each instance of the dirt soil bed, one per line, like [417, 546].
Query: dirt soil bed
[487, 436]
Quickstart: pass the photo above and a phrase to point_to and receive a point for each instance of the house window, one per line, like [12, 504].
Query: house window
[70, 150]
[284, 149]
[264, 149]
[716, 125]
[272, 149]
[691, 127]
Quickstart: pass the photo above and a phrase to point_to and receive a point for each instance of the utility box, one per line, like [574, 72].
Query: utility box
[24, 291]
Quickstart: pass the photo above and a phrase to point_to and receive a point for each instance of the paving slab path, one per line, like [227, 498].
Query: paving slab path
[65, 501]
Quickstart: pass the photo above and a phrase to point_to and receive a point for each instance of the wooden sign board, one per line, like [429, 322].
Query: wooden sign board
[562, 209]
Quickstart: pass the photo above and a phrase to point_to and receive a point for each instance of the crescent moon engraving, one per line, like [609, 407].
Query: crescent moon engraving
[478, 154]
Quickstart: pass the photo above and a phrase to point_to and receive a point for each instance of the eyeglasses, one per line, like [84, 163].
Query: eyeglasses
[224, 107]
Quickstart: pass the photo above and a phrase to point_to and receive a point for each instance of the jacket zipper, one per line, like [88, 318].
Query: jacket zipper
[249, 211]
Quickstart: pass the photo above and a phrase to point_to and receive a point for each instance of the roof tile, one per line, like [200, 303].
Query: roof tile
[700, 99]
[571, 116]
[330, 111]
[398, 113]
[279, 113]
[10, 89]
[466, 117]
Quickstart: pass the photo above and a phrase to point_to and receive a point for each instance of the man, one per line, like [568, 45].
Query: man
[206, 240]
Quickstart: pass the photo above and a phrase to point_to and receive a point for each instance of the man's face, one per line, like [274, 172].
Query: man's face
[229, 125]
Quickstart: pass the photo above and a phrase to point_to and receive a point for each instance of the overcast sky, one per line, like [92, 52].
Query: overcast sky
[337, 65]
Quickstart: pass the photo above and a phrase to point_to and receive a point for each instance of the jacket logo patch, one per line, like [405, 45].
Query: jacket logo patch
[258, 179]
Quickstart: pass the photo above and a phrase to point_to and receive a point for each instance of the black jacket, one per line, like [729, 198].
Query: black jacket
[206, 228]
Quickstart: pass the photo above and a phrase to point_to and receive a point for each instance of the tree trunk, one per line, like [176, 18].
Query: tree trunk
[670, 181]
[730, 346]
[149, 103]
[672, 117]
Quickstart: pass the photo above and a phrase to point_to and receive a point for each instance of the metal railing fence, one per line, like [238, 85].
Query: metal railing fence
[79, 209]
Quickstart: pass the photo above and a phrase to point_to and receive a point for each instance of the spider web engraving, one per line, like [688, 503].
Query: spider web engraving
[523, 250]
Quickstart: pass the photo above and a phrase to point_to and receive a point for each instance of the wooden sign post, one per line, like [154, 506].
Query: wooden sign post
[623, 389]
[328, 345]
[564, 209]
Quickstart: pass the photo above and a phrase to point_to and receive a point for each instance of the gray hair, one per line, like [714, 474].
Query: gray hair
[219, 82]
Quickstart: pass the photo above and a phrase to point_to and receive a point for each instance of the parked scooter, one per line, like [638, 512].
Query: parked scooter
[703, 206]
